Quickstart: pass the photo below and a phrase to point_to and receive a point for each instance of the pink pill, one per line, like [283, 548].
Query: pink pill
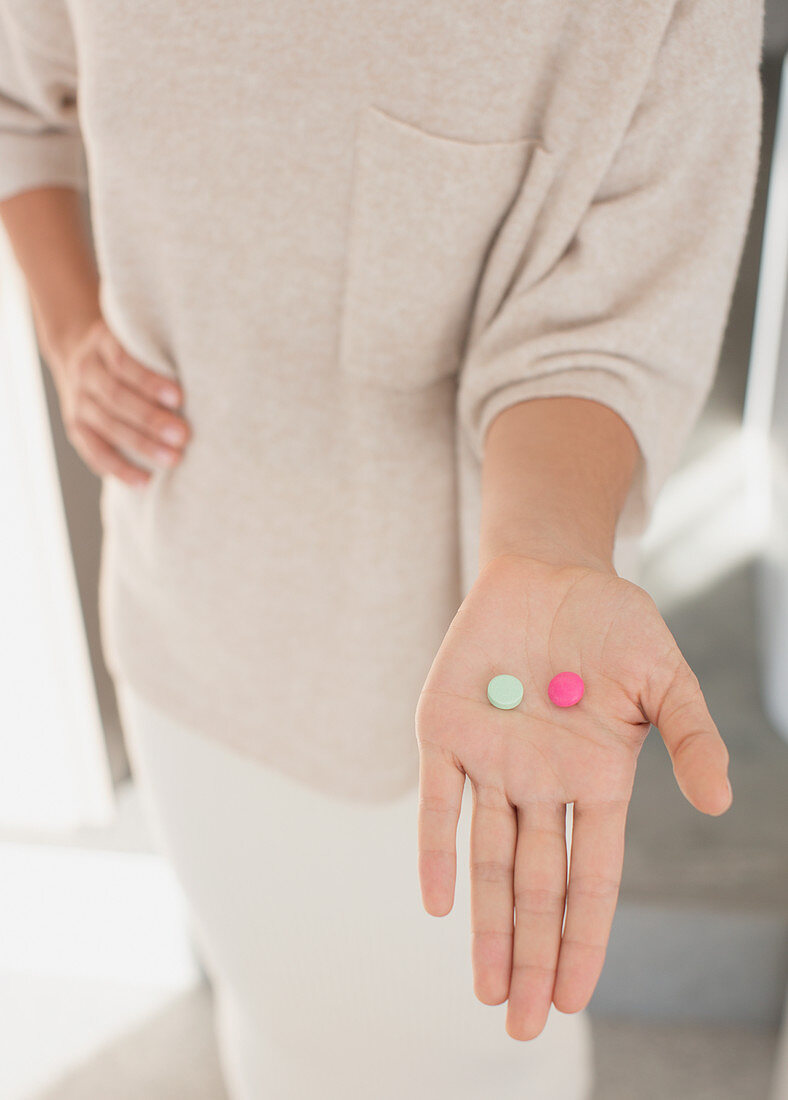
[566, 689]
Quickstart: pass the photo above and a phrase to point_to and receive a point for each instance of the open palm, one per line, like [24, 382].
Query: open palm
[533, 619]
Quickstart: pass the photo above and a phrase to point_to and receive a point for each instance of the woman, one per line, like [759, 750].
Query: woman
[400, 317]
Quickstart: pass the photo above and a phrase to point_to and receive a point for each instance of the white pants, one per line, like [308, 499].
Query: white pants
[330, 979]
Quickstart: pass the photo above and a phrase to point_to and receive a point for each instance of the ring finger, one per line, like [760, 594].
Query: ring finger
[539, 896]
[594, 877]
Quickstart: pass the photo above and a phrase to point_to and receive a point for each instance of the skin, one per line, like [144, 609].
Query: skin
[547, 599]
[108, 399]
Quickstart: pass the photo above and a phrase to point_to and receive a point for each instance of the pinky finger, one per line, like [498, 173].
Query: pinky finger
[104, 459]
[441, 785]
[595, 868]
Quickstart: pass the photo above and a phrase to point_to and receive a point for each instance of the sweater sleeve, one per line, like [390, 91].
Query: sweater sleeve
[40, 140]
[633, 312]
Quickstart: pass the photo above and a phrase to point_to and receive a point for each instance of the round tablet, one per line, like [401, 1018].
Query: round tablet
[505, 692]
[566, 689]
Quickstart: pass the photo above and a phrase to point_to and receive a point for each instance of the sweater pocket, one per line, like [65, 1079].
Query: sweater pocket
[428, 215]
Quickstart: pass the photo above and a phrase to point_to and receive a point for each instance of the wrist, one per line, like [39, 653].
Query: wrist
[58, 337]
[551, 554]
[555, 478]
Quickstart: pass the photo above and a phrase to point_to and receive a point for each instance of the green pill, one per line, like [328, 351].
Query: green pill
[505, 692]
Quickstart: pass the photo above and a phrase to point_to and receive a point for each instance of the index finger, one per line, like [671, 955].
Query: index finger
[595, 867]
[154, 385]
[441, 784]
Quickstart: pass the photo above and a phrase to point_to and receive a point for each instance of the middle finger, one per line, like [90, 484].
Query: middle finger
[493, 837]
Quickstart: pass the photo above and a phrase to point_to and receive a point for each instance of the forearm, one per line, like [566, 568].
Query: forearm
[555, 476]
[47, 231]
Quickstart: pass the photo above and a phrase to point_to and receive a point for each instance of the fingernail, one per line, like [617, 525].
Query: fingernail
[173, 433]
[171, 398]
[730, 788]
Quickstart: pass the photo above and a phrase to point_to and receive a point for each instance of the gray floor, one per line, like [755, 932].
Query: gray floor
[672, 1062]
[174, 1058]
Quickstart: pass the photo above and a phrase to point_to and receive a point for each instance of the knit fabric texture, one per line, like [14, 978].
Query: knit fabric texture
[355, 232]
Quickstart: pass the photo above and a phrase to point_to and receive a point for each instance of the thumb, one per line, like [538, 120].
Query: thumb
[700, 758]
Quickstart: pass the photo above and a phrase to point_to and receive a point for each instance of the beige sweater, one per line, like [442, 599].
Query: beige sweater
[355, 231]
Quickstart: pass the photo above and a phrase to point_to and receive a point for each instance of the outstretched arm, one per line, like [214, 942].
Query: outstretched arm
[555, 476]
[548, 600]
[577, 398]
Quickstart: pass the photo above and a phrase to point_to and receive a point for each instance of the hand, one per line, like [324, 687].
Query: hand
[109, 400]
[532, 618]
